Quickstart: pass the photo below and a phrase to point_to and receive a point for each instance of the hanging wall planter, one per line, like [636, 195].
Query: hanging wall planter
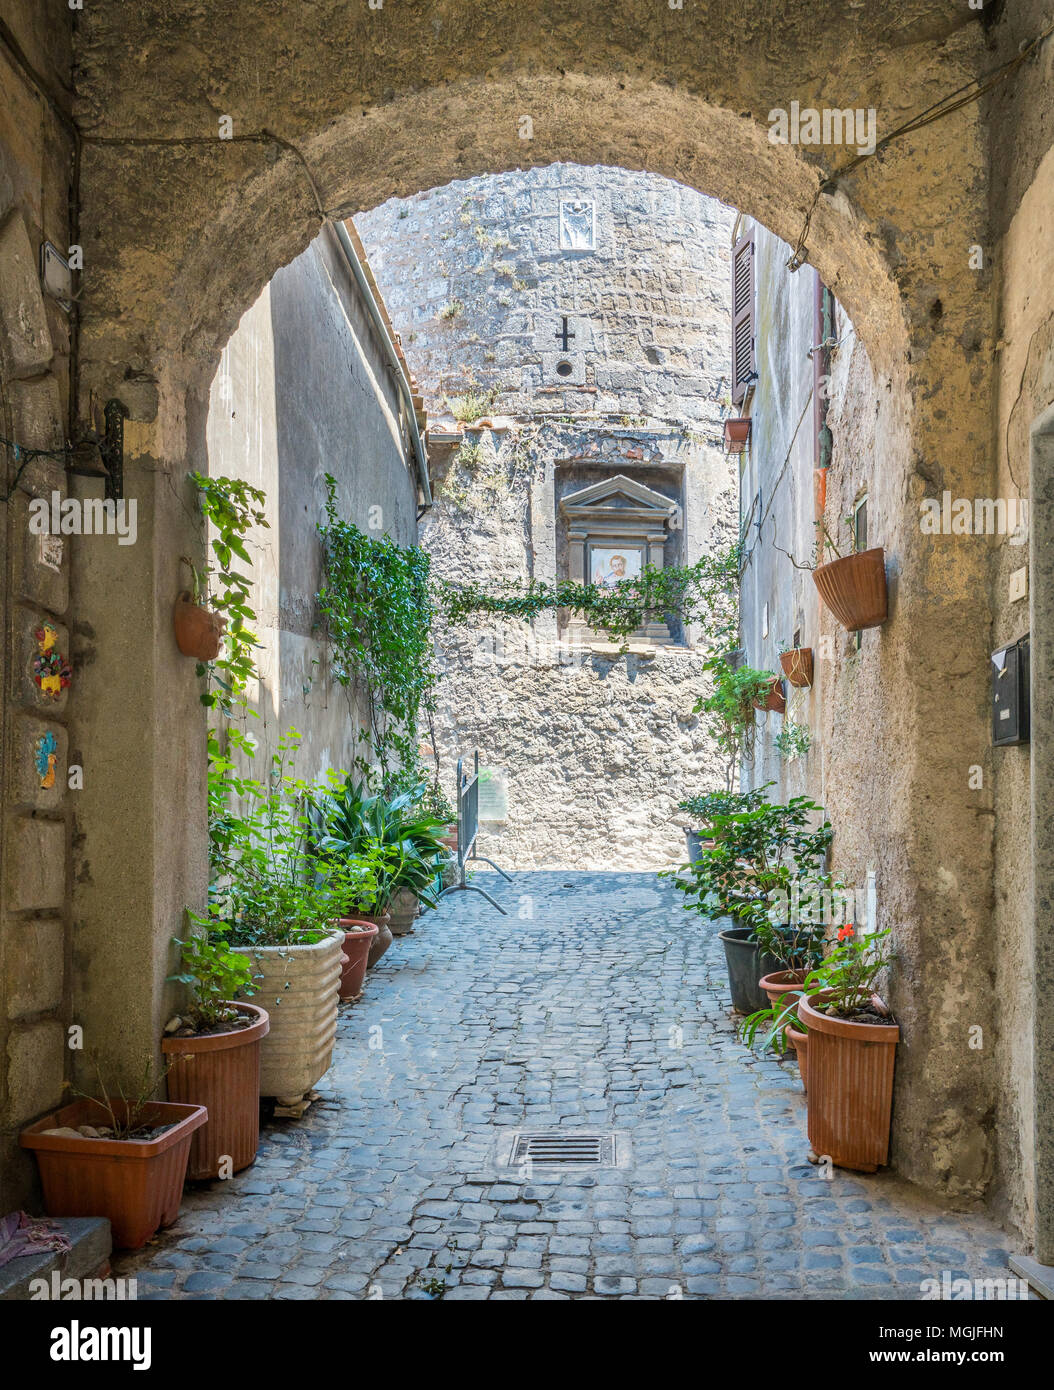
[797, 666]
[737, 433]
[775, 700]
[854, 589]
[199, 631]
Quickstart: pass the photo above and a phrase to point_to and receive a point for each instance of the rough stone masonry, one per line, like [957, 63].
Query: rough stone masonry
[590, 307]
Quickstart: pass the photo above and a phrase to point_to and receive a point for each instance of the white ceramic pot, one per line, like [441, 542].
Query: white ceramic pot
[299, 989]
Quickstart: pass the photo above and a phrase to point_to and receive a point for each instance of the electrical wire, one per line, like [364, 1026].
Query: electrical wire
[944, 106]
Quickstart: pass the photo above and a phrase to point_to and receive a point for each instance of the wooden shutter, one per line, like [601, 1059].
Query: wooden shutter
[742, 316]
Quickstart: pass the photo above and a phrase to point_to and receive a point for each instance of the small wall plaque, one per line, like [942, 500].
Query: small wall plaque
[578, 225]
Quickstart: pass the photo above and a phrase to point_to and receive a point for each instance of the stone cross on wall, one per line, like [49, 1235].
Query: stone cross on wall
[564, 335]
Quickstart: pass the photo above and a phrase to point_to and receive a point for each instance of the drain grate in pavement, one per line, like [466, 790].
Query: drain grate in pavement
[593, 1150]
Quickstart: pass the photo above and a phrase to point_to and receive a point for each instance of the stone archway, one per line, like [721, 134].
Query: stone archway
[180, 239]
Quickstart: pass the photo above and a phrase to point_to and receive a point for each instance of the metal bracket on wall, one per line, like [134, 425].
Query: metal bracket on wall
[112, 447]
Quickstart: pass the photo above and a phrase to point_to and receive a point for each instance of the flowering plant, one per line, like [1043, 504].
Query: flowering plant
[848, 972]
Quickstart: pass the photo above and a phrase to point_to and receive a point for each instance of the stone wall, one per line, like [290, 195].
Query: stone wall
[303, 390]
[35, 172]
[592, 751]
[477, 284]
[1018, 258]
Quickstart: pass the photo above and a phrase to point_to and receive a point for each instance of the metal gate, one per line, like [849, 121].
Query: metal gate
[468, 830]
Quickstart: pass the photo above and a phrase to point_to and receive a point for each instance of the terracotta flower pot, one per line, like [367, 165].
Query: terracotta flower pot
[781, 982]
[359, 936]
[222, 1072]
[800, 1042]
[854, 589]
[298, 985]
[199, 631]
[135, 1183]
[383, 939]
[797, 666]
[775, 700]
[737, 433]
[850, 1087]
[404, 908]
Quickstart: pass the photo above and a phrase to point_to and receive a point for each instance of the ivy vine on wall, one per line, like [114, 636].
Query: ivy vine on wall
[376, 611]
[704, 592]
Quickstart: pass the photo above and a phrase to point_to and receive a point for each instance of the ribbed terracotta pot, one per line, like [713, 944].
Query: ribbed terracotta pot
[222, 1072]
[136, 1184]
[404, 908]
[199, 631]
[854, 588]
[359, 936]
[298, 987]
[850, 1087]
[797, 666]
[383, 939]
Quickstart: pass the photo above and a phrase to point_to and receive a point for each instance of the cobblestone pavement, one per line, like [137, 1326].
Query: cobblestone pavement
[597, 1004]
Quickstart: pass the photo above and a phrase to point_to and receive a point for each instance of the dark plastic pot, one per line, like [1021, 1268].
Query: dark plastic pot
[746, 965]
[697, 842]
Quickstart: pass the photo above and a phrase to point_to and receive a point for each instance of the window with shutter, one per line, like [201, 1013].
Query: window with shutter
[743, 369]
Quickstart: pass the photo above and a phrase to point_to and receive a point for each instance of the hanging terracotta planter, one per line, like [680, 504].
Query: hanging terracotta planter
[850, 1086]
[854, 589]
[136, 1184]
[359, 936]
[199, 631]
[775, 700]
[797, 666]
[222, 1072]
[737, 433]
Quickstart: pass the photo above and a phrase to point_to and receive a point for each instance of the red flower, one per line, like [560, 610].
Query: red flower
[846, 931]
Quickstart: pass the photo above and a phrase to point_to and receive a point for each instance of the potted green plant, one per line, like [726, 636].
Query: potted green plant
[730, 709]
[277, 901]
[403, 834]
[793, 740]
[703, 808]
[750, 871]
[124, 1158]
[852, 1051]
[213, 1048]
[797, 944]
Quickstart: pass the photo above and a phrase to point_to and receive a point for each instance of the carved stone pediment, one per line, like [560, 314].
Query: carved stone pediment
[630, 499]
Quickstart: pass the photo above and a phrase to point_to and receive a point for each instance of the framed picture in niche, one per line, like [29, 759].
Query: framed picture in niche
[609, 563]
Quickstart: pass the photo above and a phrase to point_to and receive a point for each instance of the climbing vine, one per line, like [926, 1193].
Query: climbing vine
[704, 592]
[377, 614]
[231, 508]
